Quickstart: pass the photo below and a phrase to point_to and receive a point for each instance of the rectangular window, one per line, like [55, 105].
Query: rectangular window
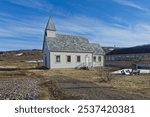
[78, 59]
[99, 59]
[68, 59]
[94, 58]
[58, 59]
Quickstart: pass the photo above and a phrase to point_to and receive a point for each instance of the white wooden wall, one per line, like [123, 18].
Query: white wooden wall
[97, 63]
[73, 63]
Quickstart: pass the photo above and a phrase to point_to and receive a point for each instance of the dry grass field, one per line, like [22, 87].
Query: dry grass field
[76, 84]
[134, 85]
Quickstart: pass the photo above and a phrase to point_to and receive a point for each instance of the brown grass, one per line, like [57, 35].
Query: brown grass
[138, 84]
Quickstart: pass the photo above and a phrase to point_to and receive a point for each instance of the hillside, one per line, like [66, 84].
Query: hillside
[20, 55]
[131, 50]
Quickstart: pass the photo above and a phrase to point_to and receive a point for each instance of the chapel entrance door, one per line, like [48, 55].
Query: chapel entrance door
[87, 61]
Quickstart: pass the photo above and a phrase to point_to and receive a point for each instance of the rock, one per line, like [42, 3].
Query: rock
[19, 89]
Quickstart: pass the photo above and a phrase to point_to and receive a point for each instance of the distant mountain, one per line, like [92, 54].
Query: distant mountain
[20, 53]
[131, 50]
[108, 49]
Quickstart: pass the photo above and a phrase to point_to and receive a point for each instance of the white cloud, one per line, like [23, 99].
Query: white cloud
[36, 4]
[19, 27]
[29, 32]
[104, 33]
[41, 5]
[16, 45]
[132, 4]
[21, 33]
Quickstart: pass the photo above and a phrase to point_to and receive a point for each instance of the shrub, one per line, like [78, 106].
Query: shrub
[104, 75]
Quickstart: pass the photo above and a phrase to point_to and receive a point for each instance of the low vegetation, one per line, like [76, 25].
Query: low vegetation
[101, 77]
[104, 75]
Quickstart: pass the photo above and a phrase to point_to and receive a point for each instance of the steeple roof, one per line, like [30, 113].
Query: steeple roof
[50, 25]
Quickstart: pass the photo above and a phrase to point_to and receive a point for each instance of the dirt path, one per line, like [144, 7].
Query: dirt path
[67, 88]
[18, 89]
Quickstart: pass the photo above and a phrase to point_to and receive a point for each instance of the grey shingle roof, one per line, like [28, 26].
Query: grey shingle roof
[50, 25]
[68, 43]
[97, 49]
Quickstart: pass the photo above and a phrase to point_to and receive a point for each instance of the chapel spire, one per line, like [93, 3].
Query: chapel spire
[50, 25]
[50, 30]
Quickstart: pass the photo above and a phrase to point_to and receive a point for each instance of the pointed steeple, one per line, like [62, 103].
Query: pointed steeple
[50, 25]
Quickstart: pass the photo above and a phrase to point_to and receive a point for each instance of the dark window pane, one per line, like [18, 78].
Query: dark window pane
[94, 58]
[78, 58]
[99, 58]
[68, 58]
[58, 58]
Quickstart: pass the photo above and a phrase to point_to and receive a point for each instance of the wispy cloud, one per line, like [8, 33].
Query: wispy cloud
[132, 4]
[20, 29]
[16, 32]
[27, 32]
[41, 5]
[21, 33]
[36, 4]
[107, 34]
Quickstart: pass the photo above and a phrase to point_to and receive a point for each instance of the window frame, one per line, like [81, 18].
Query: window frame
[67, 58]
[99, 59]
[94, 58]
[77, 58]
[57, 59]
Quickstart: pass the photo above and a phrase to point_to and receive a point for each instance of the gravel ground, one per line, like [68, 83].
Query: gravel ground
[18, 89]
[86, 90]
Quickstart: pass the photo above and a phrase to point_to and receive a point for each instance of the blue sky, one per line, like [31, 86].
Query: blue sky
[122, 23]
